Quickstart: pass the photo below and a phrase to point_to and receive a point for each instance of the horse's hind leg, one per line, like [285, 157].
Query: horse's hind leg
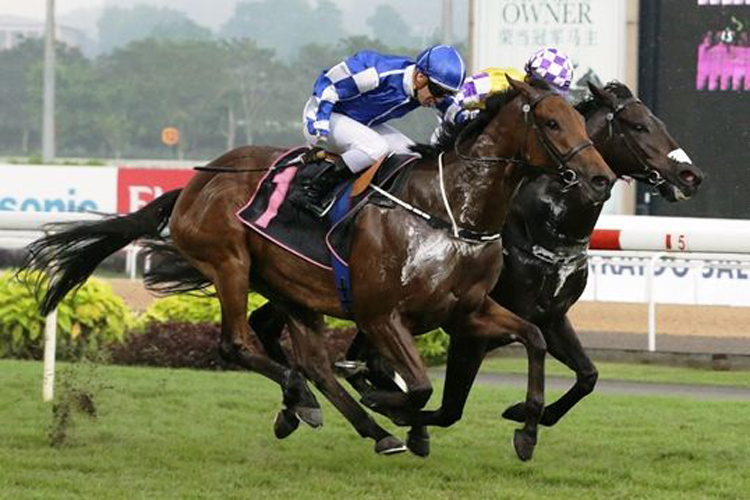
[563, 344]
[232, 286]
[268, 323]
[306, 329]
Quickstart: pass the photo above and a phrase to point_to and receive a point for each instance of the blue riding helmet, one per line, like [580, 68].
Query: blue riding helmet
[443, 65]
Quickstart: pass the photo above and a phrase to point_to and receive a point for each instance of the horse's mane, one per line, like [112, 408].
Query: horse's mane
[590, 104]
[451, 132]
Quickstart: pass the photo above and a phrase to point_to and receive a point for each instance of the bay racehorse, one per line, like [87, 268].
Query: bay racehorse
[407, 276]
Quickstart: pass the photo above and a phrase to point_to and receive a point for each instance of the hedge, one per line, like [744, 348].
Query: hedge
[177, 331]
[87, 320]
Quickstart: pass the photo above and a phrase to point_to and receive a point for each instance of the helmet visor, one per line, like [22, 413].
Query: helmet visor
[437, 91]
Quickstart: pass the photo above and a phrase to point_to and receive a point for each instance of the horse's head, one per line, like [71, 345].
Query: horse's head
[636, 143]
[556, 142]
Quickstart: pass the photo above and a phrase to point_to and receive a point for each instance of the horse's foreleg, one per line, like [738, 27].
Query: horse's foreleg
[492, 322]
[305, 328]
[396, 345]
[465, 356]
[563, 344]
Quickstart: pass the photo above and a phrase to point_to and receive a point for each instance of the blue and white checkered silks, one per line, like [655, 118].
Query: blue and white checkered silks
[553, 66]
[443, 65]
[368, 87]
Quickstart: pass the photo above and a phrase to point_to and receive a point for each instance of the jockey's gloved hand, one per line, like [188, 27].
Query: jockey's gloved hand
[321, 137]
[314, 155]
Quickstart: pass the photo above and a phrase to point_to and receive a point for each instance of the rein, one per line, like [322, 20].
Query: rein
[650, 175]
[567, 175]
[229, 170]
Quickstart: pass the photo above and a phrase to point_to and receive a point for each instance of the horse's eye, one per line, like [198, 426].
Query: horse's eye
[639, 127]
[552, 124]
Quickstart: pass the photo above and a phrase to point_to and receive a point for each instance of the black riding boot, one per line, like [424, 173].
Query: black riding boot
[316, 194]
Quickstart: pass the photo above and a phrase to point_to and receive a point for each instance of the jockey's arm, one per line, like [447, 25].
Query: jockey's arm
[346, 80]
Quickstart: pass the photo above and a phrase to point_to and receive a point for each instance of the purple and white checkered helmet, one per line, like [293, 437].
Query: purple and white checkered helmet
[553, 66]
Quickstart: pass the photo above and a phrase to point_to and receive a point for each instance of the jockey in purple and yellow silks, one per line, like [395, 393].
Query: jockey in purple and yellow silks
[548, 64]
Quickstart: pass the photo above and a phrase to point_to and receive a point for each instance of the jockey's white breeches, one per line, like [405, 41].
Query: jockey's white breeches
[359, 145]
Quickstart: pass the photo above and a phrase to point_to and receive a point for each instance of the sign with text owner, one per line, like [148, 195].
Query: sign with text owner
[592, 32]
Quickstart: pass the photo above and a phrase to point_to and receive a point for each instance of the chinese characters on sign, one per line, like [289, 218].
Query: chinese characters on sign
[592, 32]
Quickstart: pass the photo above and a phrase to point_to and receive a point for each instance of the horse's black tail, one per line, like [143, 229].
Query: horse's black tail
[169, 272]
[71, 254]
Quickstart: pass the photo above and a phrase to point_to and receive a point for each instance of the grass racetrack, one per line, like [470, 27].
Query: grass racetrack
[187, 434]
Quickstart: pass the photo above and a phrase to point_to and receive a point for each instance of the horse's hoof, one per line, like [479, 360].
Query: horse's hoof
[418, 442]
[389, 445]
[523, 444]
[285, 424]
[516, 413]
[311, 416]
[296, 392]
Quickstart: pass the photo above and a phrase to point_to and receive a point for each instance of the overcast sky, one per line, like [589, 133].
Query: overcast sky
[422, 15]
[35, 9]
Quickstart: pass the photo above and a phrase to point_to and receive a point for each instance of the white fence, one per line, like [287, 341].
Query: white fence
[696, 279]
[18, 229]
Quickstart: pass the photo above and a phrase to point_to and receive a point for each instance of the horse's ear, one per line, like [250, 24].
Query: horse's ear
[600, 94]
[522, 87]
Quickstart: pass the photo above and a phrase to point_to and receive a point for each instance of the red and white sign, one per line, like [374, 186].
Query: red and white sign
[136, 187]
[671, 234]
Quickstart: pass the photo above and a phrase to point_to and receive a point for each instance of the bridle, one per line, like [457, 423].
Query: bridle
[647, 174]
[568, 176]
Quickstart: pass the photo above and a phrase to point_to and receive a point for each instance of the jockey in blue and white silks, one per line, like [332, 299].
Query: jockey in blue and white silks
[352, 101]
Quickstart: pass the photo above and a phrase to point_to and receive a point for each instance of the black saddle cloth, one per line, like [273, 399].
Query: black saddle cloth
[271, 214]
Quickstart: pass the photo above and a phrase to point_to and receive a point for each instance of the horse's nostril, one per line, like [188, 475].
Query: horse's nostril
[601, 182]
[689, 178]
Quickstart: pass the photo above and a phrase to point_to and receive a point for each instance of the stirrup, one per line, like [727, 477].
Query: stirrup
[348, 368]
[316, 209]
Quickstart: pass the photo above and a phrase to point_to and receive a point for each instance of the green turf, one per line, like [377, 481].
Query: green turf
[623, 371]
[186, 434]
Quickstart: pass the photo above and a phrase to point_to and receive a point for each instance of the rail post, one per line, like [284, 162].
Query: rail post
[650, 297]
[50, 348]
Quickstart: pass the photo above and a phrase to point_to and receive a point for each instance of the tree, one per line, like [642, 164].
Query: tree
[118, 27]
[388, 27]
[285, 25]
[151, 84]
[257, 86]
[180, 29]
[21, 84]
[16, 115]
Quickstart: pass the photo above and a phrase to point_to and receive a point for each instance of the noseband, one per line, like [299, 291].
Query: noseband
[568, 176]
[648, 174]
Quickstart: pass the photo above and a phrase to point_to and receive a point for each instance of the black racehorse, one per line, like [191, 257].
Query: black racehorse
[546, 238]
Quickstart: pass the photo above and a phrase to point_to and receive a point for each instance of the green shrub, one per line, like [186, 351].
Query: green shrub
[190, 308]
[92, 317]
[433, 346]
[198, 308]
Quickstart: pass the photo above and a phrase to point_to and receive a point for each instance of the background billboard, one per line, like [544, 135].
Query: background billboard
[694, 71]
